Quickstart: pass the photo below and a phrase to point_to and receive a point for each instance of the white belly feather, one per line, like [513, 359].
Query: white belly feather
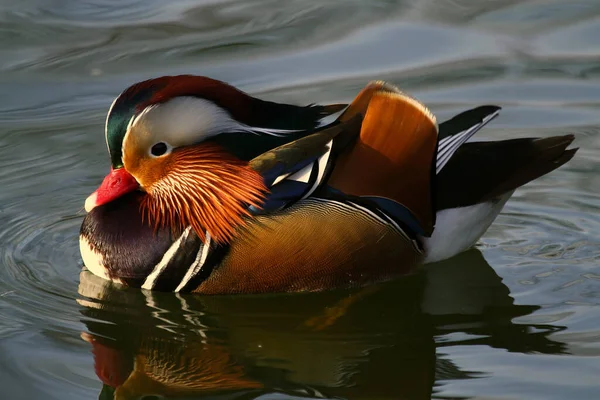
[458, 229]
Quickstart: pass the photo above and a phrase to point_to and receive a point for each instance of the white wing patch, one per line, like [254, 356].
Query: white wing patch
[321, 164]
[448, 145]
[305, 173]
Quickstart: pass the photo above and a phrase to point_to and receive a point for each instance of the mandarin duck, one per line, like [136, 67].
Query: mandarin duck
[214, 191]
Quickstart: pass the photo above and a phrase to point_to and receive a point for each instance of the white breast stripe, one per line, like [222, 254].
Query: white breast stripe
[448, 145]
[159, 268]
[196, 265]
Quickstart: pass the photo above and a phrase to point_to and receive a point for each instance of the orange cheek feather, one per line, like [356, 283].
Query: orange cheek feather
[201, 186]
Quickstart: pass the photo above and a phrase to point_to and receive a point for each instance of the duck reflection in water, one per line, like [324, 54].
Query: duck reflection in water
[376, 342]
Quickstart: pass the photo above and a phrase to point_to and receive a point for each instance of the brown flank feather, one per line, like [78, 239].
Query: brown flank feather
[206, 188]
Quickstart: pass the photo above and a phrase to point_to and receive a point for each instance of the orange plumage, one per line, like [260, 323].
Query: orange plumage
[398, 140]
[206, 188]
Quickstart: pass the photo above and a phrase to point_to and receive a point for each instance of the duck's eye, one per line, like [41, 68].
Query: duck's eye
[159, 149]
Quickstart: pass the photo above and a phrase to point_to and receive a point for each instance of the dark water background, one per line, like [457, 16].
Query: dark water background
[518, 318]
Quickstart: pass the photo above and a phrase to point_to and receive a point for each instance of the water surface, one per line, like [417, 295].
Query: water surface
[516, 318]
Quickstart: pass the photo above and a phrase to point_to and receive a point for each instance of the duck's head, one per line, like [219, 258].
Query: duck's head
[186, 141]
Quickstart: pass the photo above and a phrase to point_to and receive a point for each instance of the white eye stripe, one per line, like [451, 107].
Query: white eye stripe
[186, 120]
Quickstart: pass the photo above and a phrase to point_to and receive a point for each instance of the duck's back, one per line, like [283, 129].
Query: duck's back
[360, 226]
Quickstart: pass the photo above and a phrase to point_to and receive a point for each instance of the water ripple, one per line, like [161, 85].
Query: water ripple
[63, 63]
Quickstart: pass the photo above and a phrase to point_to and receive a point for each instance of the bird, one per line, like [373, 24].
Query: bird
[214, 191]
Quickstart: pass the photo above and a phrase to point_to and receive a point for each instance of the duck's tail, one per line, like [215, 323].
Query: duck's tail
[476, 182]
[481, 171]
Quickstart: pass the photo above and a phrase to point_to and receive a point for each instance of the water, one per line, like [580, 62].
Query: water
[517, 318]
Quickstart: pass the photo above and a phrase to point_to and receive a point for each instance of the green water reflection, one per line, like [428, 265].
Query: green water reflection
[377, 342]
